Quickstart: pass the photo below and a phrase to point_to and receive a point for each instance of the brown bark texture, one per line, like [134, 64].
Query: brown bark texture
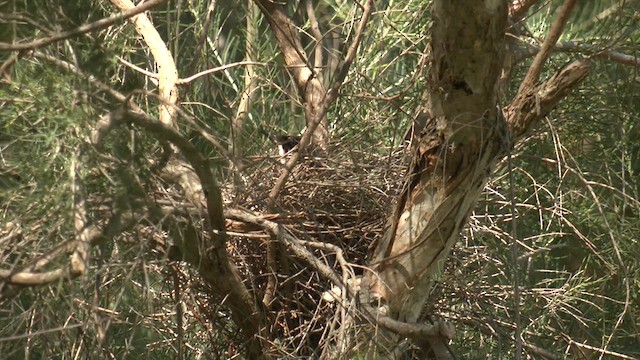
[307, 78]
[466, 133]
[457, 149]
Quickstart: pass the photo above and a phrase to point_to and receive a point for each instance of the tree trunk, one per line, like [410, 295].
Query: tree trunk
[454, 156]
[465, 134]
[463, 137]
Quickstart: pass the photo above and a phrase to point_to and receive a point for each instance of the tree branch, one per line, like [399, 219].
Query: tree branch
[554, 34]
[308, 79]
[210, 259]
[330, 96]
[218, 69]
[315, 31]
[98, 25]
[531, 105]
[592, 51]
[167, 71]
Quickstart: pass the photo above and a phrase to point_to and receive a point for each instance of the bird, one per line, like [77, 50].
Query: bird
[286, 145]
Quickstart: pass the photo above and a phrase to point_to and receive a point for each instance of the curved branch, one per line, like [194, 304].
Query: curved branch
[167, 71]
[218, 69]
[199, 163]
[210, 259]
[98, 25]
[31, 278]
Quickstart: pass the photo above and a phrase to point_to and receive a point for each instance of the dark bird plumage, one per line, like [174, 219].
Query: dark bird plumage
[286, 143]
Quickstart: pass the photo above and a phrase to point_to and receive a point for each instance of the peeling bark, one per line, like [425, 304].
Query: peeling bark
[465, 135]
[534, 103]
[454, 156]
[452, 160]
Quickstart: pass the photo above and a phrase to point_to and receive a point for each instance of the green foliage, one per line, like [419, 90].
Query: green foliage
[575, 180]
[577, 222]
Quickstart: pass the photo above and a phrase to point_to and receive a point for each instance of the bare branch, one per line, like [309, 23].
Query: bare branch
[144, 72]
[12, 59]
[592, 51]
[533, 104]
[554, 34]
[26, 277]
[330, 96]
[80, 255]
[27, 19]
[308, 79]
[199, 163]
[98, 25]
[33, 279]
[315, 31]
[167, 71]
[250, 84]
[209, 258]
[218, 69]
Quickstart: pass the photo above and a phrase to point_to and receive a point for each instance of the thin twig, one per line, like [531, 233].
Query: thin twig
[218, 69]
[514, 257]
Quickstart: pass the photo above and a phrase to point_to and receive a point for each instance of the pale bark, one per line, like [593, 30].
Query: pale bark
[208, 253]
[167, 72]
[307, 79]
[464, 137]
[455, 154]
[250, 84]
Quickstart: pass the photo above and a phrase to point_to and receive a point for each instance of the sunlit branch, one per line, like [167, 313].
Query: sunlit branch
[94, 26]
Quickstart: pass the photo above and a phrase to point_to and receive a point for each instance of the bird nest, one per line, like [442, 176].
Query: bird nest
[343, 199]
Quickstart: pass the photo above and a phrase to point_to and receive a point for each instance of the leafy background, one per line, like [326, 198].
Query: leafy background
[574, 181]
